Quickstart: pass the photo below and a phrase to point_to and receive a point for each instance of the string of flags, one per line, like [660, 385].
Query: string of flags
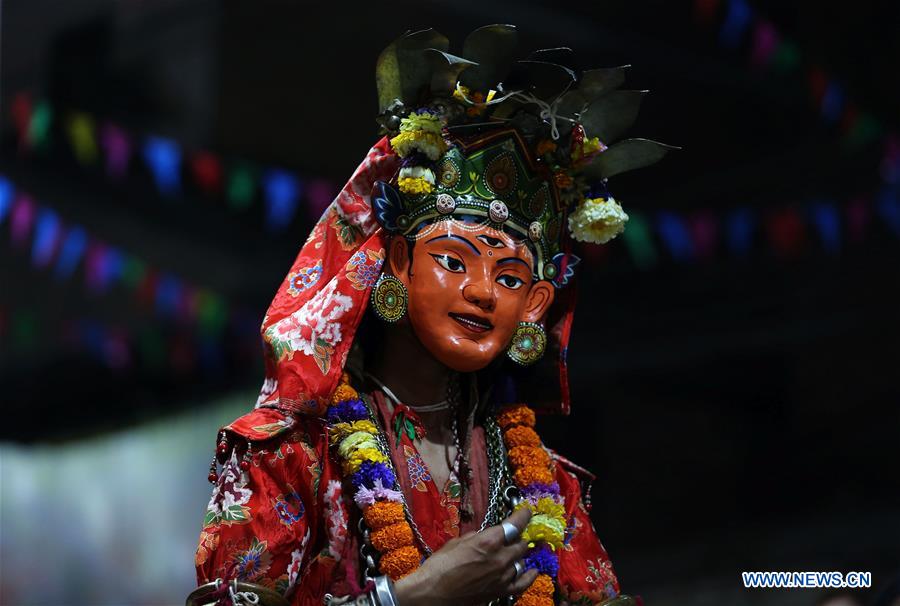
[197, 318]
[740, 25]
[786, 231]
[121, 349]
[104, 144]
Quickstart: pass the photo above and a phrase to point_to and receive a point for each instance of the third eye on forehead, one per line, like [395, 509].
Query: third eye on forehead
[491, 241]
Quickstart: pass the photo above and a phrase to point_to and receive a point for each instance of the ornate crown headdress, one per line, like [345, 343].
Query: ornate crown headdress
[525, 146]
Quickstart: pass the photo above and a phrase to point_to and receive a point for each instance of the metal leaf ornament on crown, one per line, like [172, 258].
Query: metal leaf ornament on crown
[523, 146]
[527, 145]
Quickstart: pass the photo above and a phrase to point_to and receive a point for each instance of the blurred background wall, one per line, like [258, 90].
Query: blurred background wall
[734, 364]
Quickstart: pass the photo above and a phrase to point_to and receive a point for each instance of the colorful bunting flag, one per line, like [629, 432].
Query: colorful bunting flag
[163, 157]
[282, 191]
[116, 145]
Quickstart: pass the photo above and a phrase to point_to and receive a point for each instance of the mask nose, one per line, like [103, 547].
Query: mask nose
[480, 292]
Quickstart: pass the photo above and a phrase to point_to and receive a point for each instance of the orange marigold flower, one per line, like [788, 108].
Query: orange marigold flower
[400, 562]
[529, 475]
[392, 537]
[343, 392]
[519, 414]
[528, 456]
[542, 586]
[383, 513]
[529, 599]
[521, 436]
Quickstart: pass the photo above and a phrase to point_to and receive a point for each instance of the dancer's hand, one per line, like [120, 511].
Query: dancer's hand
[472, 569]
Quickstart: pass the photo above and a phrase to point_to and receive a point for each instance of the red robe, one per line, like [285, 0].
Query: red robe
[285, 522]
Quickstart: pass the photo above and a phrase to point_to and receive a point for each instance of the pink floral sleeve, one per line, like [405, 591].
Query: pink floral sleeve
[585, 571]
[263, 520]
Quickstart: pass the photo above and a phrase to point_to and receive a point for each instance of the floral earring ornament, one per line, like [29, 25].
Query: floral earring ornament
[528, 343]
[389, 298]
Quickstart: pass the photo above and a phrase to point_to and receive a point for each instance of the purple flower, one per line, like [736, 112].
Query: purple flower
[369, 472]
[347, 411]
[544, 560]
[537, 488]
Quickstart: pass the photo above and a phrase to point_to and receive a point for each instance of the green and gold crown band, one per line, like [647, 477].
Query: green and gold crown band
[525, 146]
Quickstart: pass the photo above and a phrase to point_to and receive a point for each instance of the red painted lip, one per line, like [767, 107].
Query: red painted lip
[472, 322]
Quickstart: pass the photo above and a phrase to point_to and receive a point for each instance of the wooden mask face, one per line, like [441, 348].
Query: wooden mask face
[468, 290]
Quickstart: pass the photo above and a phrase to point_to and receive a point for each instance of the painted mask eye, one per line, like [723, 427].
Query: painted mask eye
[510, 281]
[450, 263]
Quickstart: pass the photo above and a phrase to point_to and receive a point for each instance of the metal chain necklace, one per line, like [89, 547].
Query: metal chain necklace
[497, 472]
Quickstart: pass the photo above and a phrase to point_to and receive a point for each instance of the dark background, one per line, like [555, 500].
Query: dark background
[740, 411]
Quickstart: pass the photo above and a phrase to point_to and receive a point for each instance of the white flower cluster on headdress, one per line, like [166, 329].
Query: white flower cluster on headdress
[597, 220]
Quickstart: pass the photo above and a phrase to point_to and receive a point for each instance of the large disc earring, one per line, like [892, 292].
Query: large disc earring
[528, 343]
[389, 298]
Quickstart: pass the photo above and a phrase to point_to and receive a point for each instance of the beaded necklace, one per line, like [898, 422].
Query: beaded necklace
[362, 451]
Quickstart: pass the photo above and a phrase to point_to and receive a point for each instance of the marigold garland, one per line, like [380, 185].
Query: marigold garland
[533, 475]
[352, 433]
[392, 537]
[528, 456]
[516, 415]
[521, 436]
[354, 462]
[529, 599]
[339, 431]
[542, 528]
[542, 586]
[343, 392]
[545, 506]
[383, 513]
[400, 562]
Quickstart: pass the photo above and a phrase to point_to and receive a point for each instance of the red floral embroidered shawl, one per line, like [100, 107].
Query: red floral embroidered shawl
[283, 522]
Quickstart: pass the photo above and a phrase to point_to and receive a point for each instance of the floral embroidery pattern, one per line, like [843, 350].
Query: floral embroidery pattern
[418, 473]
[209, 541]
[252, 563]
[572, 528]
[228, 504]
[289, 507]
[270, 429]
[450, 498]
[299, 281]
[293, 571]
[314, 329]
[366, 273]
[269, 387]
[348, 233]
[337, 519]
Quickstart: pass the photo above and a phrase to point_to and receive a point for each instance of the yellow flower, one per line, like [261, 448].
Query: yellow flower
[591, 146]
[418, 172]
[428, 123]
[545, 506]
[597, 220]
[414, 186]
[544, 528]
[352, 463]
[359, 440]
[339, 431]
[343, 392]
[430, 144]
[415, 180]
